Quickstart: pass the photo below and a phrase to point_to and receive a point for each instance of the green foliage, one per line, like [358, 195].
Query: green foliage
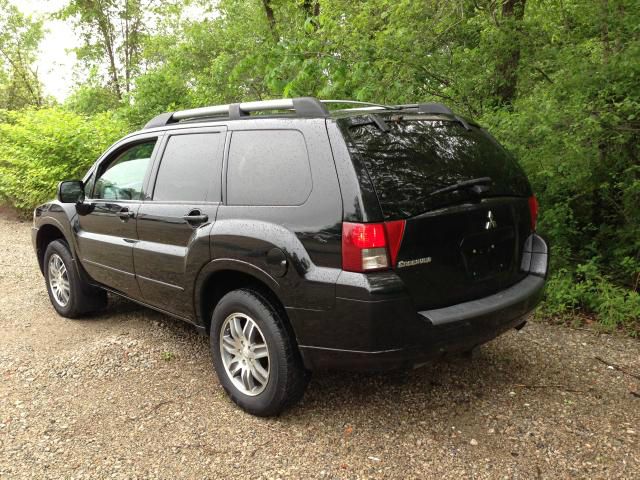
[38, 148]
[556, 81]
[89, 99]
[19, 39]
[587, 291]
[575, 129]
[168, 356]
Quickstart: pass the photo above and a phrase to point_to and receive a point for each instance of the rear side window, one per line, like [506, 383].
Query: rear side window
[268, 167]
[417, 157]
[191, 168]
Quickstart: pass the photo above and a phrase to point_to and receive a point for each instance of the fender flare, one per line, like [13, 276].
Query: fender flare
[48, 220]
[229, 264]
[67, 234]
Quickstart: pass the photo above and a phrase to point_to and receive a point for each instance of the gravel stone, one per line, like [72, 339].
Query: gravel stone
[130, 393]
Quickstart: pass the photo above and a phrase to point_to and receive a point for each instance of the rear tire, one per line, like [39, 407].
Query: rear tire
[70, 295]
[255, 357]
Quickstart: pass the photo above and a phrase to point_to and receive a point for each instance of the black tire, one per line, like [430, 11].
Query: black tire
[287, 379]
[83, 298]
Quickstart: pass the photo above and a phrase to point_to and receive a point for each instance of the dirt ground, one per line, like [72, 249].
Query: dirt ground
[132, 394]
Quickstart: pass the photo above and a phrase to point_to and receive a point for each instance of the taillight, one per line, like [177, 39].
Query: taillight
[364, 247]
[395, 232]
[533, 211]
[370, 246]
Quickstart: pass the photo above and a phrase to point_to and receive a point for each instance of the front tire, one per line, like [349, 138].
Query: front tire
[70, 295]
[256, 359]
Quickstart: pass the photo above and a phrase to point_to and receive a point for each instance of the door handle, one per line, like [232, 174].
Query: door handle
[125, 214]
[195, 217]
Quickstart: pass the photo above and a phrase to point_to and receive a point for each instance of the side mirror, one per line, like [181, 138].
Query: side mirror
[71, 191]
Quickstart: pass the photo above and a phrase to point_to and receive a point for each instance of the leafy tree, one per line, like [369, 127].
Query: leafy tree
[92, 97]
[19, 39]
[113, 33]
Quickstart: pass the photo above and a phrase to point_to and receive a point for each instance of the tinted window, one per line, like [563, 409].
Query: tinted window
[191, 165]
[269, 167]
[417, 157]
[122, 177]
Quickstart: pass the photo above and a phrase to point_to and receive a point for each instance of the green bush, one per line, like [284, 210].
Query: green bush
[572, 294]
[38, 148]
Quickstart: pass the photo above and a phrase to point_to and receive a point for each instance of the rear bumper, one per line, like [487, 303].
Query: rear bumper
[389, 333]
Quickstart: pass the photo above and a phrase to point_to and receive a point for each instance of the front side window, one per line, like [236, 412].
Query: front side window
[268, 167]
[122, 177]
[191, 168]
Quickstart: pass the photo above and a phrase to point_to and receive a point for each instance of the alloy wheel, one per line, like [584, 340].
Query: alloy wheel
[59, 280]
[245, 354]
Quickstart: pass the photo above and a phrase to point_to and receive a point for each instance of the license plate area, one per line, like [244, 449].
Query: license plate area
[487, 254]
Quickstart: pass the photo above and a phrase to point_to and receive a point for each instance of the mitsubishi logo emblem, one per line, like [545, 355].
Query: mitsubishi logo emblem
[491, 223]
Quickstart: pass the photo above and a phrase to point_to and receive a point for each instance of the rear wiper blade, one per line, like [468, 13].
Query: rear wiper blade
[476, 185]
[370, 119]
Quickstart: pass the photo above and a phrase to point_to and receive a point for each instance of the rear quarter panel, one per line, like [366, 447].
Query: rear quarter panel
[309, 235]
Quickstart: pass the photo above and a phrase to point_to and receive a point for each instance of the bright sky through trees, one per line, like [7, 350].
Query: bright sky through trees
[55, 63]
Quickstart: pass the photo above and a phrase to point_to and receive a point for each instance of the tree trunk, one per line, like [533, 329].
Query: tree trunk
[103, 25]
[604, 32]
[127, 52]
[311, 8]
[268, 10]
[513, 13]
[22, 71]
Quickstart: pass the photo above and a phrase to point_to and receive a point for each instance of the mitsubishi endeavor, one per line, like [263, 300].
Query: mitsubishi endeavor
[301, 238]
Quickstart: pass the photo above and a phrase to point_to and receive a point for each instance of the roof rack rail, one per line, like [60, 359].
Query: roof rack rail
[307, 107]
[355, 102]
[434, 108]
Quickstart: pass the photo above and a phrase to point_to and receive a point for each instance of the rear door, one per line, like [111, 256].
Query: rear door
[106, 233]
[174, 225]
[459, 242]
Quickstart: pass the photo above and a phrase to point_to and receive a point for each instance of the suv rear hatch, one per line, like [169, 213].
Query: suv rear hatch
[463, 197]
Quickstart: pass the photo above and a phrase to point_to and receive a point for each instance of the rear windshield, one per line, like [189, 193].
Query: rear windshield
[416, 157]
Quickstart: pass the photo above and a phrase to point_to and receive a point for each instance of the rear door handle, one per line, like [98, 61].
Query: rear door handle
[126, 214]
[195, 217]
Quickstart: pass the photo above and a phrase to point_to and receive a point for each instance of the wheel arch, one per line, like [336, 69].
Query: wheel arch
[223, 276]
[47, 233]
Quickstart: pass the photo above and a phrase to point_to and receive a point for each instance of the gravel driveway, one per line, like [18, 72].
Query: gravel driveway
[132, 394]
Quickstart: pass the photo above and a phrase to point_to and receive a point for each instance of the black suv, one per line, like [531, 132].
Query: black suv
[300, 238]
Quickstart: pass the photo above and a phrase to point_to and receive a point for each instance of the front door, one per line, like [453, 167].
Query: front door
[174, 225]
[107, 227]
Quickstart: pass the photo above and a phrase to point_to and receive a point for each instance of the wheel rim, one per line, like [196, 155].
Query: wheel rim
[245, 354]
[59, 280]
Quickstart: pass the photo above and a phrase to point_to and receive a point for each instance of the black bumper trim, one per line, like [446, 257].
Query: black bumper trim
[355, 352]
[512, 296]
[380, 335]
